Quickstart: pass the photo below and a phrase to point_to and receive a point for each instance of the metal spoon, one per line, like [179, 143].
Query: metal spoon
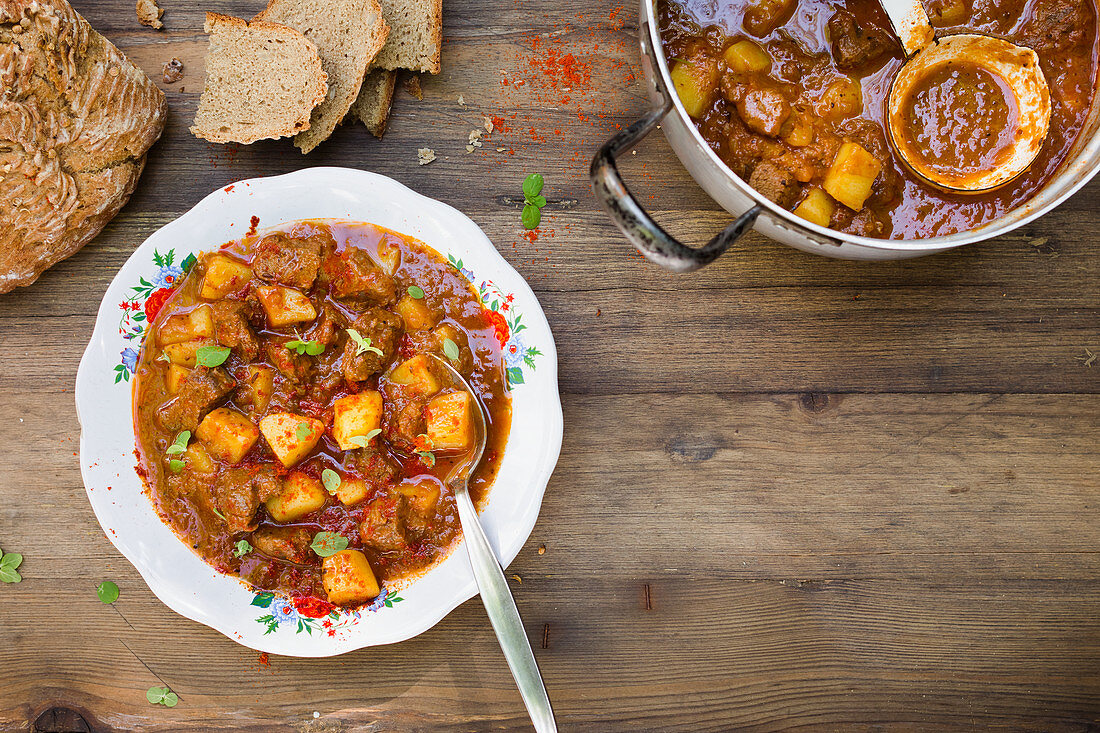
[495, 594]
[1016, 66]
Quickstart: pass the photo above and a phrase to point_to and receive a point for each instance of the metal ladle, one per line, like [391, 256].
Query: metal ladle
[1015, 69]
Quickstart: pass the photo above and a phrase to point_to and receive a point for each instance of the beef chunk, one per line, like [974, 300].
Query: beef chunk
[326, 328]
[763, 110]
[199, 394]
[1061, 25]
[353, 274]
[777, 184]
[374, 466]
[383, 329]
[231, 318]
[288, 260]
[856, 45]
[236, 498]
[403, 421]
[267, 482]
[383, 527]
[292, 365]
[284, 543]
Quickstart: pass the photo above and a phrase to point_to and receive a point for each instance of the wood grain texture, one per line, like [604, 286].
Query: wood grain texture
[854, 497]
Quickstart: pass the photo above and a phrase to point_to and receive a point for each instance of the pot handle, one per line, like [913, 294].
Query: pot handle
[645, 234]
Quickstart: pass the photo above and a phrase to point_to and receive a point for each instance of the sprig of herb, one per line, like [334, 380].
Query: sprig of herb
[533, 201]
[450, 349]
[162, 696]
[242, 548]
[211, 356]
[362, 343]
[179, 445]
[215, 510]
[415, 291]
[302, 431]
[175, 465]
[364, 440]
[313, 348]
[9, 564]
[107, 592]
[331, 480]
[328, 543]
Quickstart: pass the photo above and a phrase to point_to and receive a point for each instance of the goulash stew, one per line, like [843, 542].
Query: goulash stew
[294, 425]
[791, 94]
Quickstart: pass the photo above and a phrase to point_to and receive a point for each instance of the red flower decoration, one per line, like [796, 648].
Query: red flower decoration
[155, 301]
[500, 326]
[313, 607]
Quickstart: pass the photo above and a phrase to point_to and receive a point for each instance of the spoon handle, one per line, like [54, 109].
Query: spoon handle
[910, 23]
[504, 616]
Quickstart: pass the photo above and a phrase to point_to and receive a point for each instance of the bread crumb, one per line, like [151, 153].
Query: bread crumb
[172, 71]
[475, 138]
[412, 86]
[461, 101]
[149, 13]
[488, 125]
[542, 549]
[425, 156]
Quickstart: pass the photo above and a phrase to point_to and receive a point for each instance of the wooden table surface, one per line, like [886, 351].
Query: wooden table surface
[794, 493]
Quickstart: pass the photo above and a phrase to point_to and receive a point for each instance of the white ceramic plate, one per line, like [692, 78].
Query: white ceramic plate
[181, 579]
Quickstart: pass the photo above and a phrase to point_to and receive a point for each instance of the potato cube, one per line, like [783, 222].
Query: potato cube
[850, 178]
[174, 378]
[227, 434]
[696, 81]
[798, 131]
[746, 57]
[224, 275]
[198, 460]
[450, 421]
[301, 495]
[842, 98]
[417, 314]
[817, 207]
[198, 323]
[423, 495]
[291, 436]
[355, 415]
[352, 490]
[285, 306]
[764, 16]
[348, 578]
[257, 389]
[415, 374]
[947, 13]
[183, 353]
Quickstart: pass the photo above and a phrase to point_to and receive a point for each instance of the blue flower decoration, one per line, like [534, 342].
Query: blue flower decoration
[129, 358]
[514, 351]
[167, 275]
[378, 602]
[283, 612]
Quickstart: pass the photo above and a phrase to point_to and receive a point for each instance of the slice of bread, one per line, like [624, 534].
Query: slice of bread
[416, 35]
[262, 81]
[373, 105]
[348, 34]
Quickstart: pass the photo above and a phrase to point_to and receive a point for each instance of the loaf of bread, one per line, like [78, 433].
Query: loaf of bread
[76, 120]
[262, 81]
[416, 35]
[373, 105]
[348, 35]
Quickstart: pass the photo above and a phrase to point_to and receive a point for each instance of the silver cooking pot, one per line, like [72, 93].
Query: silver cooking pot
[755, 211]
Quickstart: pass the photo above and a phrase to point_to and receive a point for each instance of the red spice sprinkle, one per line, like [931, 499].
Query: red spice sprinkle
[252, 224]
[265, 661]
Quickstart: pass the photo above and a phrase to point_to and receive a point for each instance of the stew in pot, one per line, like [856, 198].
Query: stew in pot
[293, 424]
[791, 95]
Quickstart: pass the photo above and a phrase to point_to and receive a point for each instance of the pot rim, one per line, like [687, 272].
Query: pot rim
[649, 36]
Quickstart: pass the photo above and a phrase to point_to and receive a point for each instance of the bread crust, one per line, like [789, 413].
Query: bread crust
[71, 155]
[432, 63]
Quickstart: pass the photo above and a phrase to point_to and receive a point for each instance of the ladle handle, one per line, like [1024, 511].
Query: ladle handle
[910, 24]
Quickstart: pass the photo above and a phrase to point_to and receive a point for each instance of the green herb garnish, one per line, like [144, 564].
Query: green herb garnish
[211, 356]
[242, 548]
[450, 349]
[176, 465]
[331, 480]
[427, 456]
[363, 343]
[162, 696]
[416, 291]
[328, 543]
[107, 592]
[313, 348]
[302, 431]
[532, 201]
[215, 510]
[179, 445]
[364, 440]
[9, 563]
